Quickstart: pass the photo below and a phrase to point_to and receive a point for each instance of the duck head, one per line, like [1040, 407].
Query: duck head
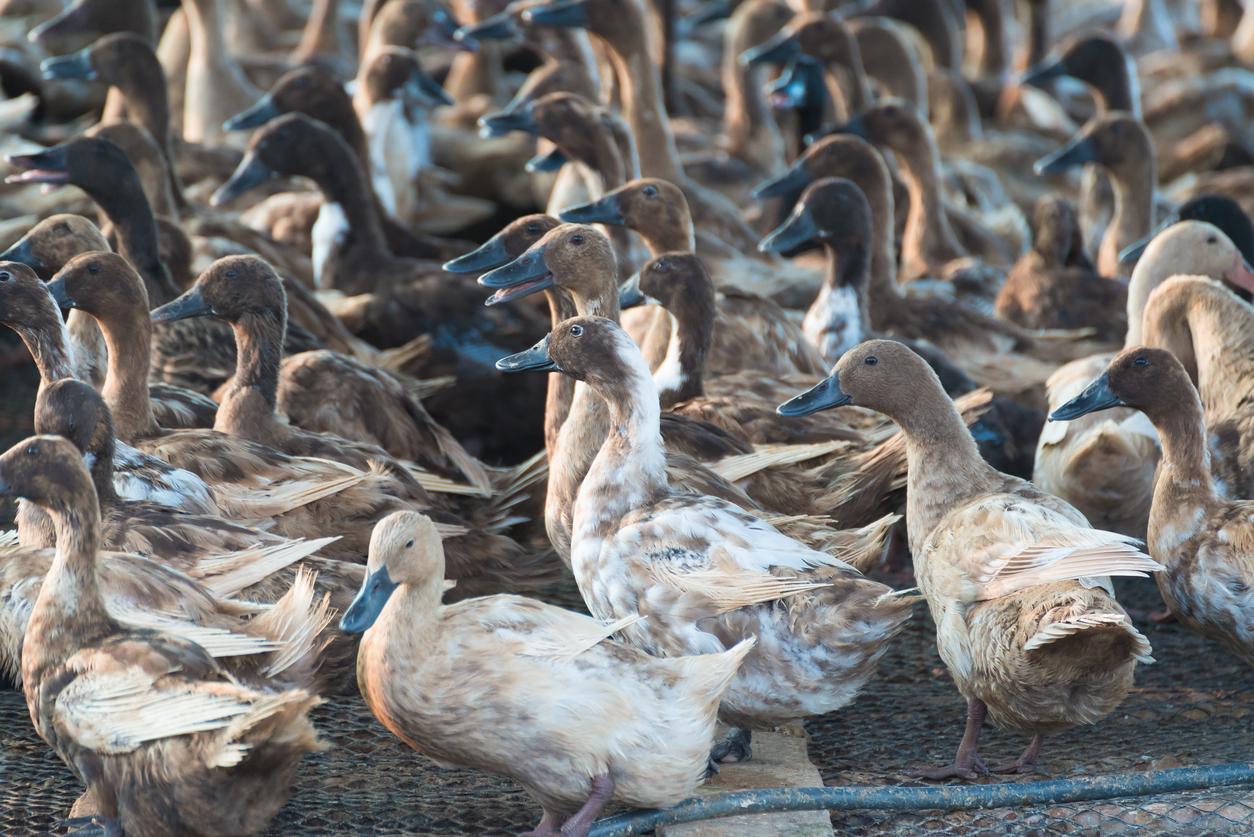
[74, 410]
[1116, 141]
[1056, 232]
[1195, 248]
[565, 119]
[679, 283]
[1139, 377]
[1097, 60]
[649, 205]
[832, 211]
[894, 124]
[46, 470]
[53, 242]
[86, 162]
[815, 35]
[507, 245]
[232, 289]
[1218, 210]
[592, 349]
[574, 257]
[841, 155]
[292, 144]
[25, 304]
[83, 20]
[877, 374]
[113, 59]
[103, 284]
[405, 548]
[396, 73]
[309, 89]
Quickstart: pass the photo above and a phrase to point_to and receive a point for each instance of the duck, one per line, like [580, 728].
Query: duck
[1195, 531]
[633, 729]
[1031, 634]
[1200, 321]
[749, 328]
[703, 589]
[216, 87]
[244, 291]
[1055, 285]
[1220, 211]
[1104, 465]
[225, 752]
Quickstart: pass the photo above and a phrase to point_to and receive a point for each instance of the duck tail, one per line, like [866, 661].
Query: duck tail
[709, 675]
[297, 622]
[513, 486]
[1107, 638]
[273, 720]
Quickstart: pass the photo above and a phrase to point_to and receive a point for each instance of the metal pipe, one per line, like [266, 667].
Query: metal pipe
[947, 797]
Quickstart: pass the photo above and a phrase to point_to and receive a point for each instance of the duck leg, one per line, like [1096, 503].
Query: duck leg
[735, 747]
[581, 822]
[966, 763]
[546, 828]
[1026, 763]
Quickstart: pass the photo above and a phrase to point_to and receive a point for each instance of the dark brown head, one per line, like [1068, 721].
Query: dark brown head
[54, 241]
[813, 34]
[679, 283]
[832, 212]
[579, 128]
[1118, 142]
[25, 304]
[894, 124]
[289, 146]
[309, 89]
[123, 59]
[1099, 61]
[576, 258]
[233, 288]
[1150, 380]
[396, 73]
[94, 164]
[145, 155]
[507, 245]
[620, 22]
[103, 284]
[881, 375]
[84, 20]
[47, 471]
[840, 155]
[74, 410]
[1056, 232]
[649, 205]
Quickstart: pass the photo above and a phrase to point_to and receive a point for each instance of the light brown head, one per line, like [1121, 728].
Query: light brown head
[233, 289]
[405, 548]
[54, 241]
[508, 244]
[893, 124]
[1116, 141]
[1146, 379]
[653, 207]
[104, 285]
[1056, 232]
[396, 73]
[574, 257]
[48, 471]
[881, 375]
[26, 306]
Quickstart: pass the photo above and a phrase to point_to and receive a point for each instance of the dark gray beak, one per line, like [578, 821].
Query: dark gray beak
[486, 256]
[1129, 255]
[790, 182]
[66, 67]
[535, 359]
[60, 294]
[190, 304]
[368, 604]
[630, 295]
[503, 122]
[1037, 75]
[262, 111]
[1096, 396]
[428, 89]
[22, 254]
[250, 174]
[48, 166]
[799, 229]
[822, 396]
[553, 161]
[499, 27]
[569, 14]
[603, 211]
[1079, 151]
[524, 276]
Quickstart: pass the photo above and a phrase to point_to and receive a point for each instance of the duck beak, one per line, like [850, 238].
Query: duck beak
[1129, 255]
[48, 166]
[799, 229]
[60, 294]
[259, 114]
[1038, 74]
[522, 277]
[190, 304]
[428, 89]
[446, 31]
[1079, 151]
[1096, 396]
[552, 161]
[499, 27]
[792, 90]
[779, 49]
[568, 14]
[535, 359]
[67, 67]
[603, 211]
[503, 122]
[486, 256]
[822, 396]
[368, 604]
[22, 254]
[250, 174]
[1241, 274]
[630, 295]
[790, 182]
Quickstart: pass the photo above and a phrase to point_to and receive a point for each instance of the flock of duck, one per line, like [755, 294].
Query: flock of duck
[273, 409]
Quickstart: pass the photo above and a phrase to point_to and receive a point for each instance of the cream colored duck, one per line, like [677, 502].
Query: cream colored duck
[580, 721]
[1104, 465]
[216, 87]
[1205, 541]
[1030, 632]
[703, 573]
[181, 746]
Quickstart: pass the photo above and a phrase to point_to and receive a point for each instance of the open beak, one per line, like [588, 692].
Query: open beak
[259, 114]
[68, 67]
[524, 276]
[794, 88]
[822, 396]
[603, 211]
[567, 14]
[1038, 74]
[799, 229]
[190, 304]
[779, 49]
[48, 166]
[790, 182]
[535, 359]
[1096, 396]
[250, 174]
[1079, 151]
[503, 122]
[368, 604]
[550, 162]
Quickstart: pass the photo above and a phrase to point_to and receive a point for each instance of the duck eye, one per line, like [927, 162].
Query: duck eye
[871, 360]
[1141, 361]
[533, 228]
[577, 238]
[31, 450]
[5, 276]
[231, 274]
[576, 331]
[1210, 239]
[649, 191]
[93, 268]
[409, 543]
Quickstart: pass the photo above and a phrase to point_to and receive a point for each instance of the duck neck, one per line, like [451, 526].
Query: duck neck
[681, 375]
[343, 182]
[1038, 37]
[838, 318]
[1184, 477]
[101, 467]
[1133, 216]
[142, 84]
[749, 128]
[640, 86]
[320, 36]
[127, 208]
[128, 339]
[248, 406]
[679, 237]
[882, 293]
[928, 239]
[993, 61]
[49, 346]
[69, 613]
[1220, 335]
[561, 388]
